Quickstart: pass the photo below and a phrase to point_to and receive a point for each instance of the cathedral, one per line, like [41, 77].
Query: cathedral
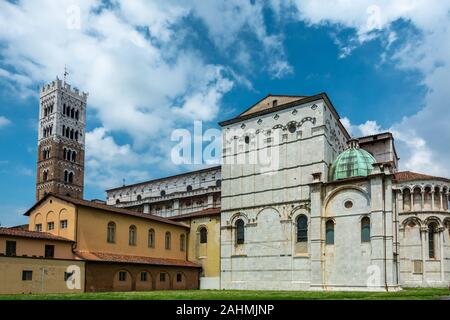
[296, 204]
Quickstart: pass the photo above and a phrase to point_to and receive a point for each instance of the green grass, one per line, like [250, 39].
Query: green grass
[406, 294]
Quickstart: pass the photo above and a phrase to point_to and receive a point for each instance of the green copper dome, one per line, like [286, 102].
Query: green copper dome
[353, 162]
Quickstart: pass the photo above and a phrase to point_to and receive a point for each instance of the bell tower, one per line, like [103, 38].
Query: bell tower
[62, 123]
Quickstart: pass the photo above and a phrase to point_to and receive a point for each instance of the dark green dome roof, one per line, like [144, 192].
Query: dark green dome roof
[353, 162]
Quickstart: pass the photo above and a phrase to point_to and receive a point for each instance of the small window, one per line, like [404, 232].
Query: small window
[50, 226]
[203, 235]
[143, 276]
[38, 227]
[122, 276]
[219, 183]
[27, 275]
[111, 232]
[179, 277]
[431, 241]
[163, 193]
[167, 240]
[247, 139]
[10, 248]
[64, 224]
[240, 232]
[132, 235]
[329, 236]
[348, 204]
[365, 229]
[162, 277]
[189, 188]
[139, 198]
[302, 228]
[151, 238]
[182, 242]
[292, 128]
[49, 251]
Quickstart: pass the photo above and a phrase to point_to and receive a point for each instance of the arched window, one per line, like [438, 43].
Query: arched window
[66, 176]
[132, 235]
[76, 135]
[67, 132]
[329, 232]
[163, 193]
[168, 240]
[77, 115]
[71, 177]
[74, 156]
[117, 201]
[151, 238]
[240, 232]
[64, 108]
[203, 235]
[111, 235]
[72, 133]
[45, 177]
[302, 228]
[139, 197]
[64, 130]
[189, 188]
[218, 183]
[431, 240]
[72, 113]
[182, 242]
[365, 229]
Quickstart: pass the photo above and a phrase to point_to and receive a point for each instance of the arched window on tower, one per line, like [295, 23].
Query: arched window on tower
[65, 153]
[77, 115]
[302, 228]
[111, 236]
[66, 176]
[329, 229]
[240, 231]
[139, 198]
[45, 175]
[67, 132]
[74, 156]
[76, 135]
[189, 188]
[72, 134]
[64, 130]
[365, 229]
[71, 177]
[72, 113]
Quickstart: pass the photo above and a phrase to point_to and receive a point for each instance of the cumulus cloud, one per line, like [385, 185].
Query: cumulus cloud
[424, 136]
[4, 121]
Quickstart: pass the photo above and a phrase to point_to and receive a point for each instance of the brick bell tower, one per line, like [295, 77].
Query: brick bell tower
[62, 122]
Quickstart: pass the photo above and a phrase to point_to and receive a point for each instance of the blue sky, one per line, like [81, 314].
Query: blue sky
[154, 66]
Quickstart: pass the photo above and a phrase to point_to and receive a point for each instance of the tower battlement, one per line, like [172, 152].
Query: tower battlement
[64, 87]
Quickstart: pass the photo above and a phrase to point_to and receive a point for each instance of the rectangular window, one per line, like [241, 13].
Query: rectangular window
[122, 276]
[144, 276]
[38, 227]
[27, 275]
[10, 248]
[162, 277]
[179, 277]
[49, 251]
[64, 224]
[50, 226]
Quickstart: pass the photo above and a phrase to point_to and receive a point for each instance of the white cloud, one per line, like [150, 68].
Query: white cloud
[4, 121]
[423, 137]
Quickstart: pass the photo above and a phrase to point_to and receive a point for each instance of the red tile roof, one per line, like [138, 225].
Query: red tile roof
[104, 207]
[117, 258]
[410, 176]
[197, 214]
[31, 234]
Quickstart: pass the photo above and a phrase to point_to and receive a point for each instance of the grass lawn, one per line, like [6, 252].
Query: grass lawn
[406, 294]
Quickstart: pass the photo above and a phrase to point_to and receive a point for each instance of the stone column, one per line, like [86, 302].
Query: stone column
[423, 237]
[317, 262]
[442, 257]
[422, 193]
[400, 208]
[412, 200]
[432, 199]
[442, 202]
